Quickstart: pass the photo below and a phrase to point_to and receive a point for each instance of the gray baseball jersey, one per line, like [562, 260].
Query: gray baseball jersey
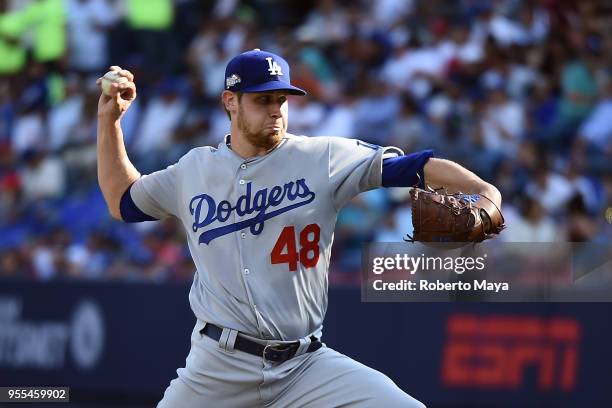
[260, 230]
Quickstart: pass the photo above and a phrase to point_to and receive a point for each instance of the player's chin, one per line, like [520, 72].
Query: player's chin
[268, 138]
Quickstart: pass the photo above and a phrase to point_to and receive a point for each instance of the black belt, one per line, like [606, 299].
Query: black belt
[277, 353]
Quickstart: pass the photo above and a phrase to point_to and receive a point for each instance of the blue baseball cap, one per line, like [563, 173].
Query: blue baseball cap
[259, 71]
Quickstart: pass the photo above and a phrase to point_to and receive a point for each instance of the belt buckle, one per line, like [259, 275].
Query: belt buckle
[265, 350]
[282, 354]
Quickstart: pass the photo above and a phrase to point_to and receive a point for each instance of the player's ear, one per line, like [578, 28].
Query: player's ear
[230, 101]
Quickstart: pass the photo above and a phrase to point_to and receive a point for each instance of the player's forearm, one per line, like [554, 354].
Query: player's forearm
[455, 178]
[115, 171]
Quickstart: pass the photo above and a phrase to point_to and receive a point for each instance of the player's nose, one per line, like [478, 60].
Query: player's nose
[275, 110]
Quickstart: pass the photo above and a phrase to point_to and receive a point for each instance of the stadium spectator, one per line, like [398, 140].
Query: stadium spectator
[517, 90]
[88, 21]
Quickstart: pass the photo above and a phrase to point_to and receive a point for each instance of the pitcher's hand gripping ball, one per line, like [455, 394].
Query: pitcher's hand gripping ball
[109, 78]
[456, 217]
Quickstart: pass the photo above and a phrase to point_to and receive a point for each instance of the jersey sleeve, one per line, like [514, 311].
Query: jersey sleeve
[156, 194]
[355, 167]
[406, 171]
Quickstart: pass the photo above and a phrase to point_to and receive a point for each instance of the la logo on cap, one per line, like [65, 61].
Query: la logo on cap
[273, 67]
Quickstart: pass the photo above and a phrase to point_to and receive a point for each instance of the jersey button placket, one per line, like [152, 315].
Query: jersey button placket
[245, 271]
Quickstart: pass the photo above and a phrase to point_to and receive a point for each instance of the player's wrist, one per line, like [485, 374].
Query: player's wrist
[109, 119]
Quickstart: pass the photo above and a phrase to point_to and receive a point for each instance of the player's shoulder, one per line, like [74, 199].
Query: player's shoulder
[193, 157]
[314, 142]
[198, 153]
[347, 143]
[301, 140]
[303, 144]
[334, 144]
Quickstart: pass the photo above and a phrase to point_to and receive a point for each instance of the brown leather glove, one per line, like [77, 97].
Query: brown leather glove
[453, 217]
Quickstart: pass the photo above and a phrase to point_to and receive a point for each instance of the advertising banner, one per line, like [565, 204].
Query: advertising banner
[117, 342]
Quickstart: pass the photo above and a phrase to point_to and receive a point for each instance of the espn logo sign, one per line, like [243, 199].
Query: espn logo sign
[495, 351]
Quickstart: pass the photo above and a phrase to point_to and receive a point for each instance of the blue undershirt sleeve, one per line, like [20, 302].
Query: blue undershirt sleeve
[405, 171]
[129, 211]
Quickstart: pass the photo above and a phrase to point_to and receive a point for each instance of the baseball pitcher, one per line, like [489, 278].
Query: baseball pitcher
[259, 212]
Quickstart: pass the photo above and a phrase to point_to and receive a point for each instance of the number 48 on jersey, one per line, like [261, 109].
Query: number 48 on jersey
[285, 250]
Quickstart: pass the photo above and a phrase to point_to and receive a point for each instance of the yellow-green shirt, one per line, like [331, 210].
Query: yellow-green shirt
[47, 18]
[12, 55]
[149, 14]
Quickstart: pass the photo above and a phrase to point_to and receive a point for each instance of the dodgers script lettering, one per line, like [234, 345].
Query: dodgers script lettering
[205, 209]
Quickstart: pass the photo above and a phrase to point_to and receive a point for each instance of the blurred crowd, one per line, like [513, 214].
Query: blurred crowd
[519, 91]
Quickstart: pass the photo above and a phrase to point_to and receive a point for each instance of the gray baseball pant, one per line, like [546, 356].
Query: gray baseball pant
[216, 376]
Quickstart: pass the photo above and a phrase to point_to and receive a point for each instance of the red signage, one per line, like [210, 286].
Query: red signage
[494, 351]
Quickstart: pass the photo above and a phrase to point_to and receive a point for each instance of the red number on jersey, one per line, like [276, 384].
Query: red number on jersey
[309, 245]
[286, 239]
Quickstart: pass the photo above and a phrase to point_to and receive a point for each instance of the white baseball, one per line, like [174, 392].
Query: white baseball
[109, 78]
